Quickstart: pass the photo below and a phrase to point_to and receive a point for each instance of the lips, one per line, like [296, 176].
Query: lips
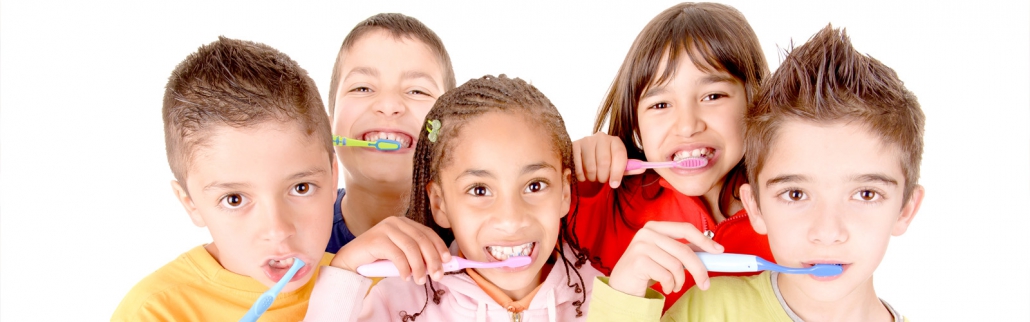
[843, 266]
[275, 268]
[403, 138]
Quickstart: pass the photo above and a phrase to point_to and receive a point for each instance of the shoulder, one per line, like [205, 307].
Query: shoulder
[149, 296]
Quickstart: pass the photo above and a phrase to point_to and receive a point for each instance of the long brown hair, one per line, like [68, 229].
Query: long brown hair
[456, 108]
[715, 37]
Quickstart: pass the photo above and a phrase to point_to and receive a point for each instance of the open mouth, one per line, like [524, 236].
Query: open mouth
[501, 253]
[403, 138]
[704, 152]
[843, 266]
[275, 269]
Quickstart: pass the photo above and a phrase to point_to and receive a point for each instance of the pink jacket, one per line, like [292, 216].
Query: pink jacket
[337, 297]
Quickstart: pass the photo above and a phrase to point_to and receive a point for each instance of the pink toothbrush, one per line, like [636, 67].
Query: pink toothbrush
[688, 163]
[385, 268]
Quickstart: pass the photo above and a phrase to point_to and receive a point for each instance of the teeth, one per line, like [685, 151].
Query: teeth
[286, 263]
[504, 252]
[700, 152]
[402, 139]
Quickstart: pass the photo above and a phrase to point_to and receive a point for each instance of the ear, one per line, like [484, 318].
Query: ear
[187, 203]
[754, 214]
[908, 212]
[436, 205]
[336, 170]
[566, 192]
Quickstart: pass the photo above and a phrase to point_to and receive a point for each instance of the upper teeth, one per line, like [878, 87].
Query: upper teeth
[403, 139]
[284, 262]
[503, 252]
[699, 152]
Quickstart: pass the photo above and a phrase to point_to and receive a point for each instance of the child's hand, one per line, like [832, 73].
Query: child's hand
[414, 248]
[656, 254]
[601, 158]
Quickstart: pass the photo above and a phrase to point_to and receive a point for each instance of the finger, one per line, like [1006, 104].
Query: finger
[685, 259]
[619, 160]
[433, 250]
[653, 270]
[589, 160]
[672, 264]
[603, 159]
[578, 160]
[683, 230]
[412, 254]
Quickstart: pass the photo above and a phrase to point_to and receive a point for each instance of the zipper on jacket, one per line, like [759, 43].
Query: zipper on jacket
[710, 233]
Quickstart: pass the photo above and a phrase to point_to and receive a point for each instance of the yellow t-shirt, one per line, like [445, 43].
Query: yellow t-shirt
[194, 287]
[730, 298]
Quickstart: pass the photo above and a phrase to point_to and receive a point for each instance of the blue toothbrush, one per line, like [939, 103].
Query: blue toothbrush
[266, 298]
[733, 263]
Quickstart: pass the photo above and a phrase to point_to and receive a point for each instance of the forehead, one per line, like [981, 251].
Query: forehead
[280, 146]
[380, 49]
[500, 139]
[830, 151]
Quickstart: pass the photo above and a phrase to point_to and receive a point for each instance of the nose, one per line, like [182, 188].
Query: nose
[389, 104]
[689, 121]
[828, 226]
[277, 222]
[510, 216]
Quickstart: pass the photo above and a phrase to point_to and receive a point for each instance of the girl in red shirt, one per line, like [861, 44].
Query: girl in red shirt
[681, 92]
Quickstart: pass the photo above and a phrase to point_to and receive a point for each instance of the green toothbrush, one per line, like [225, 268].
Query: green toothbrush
[380, 144]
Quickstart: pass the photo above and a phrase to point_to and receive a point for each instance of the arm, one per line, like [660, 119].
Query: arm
[607, 304]
[338, 295]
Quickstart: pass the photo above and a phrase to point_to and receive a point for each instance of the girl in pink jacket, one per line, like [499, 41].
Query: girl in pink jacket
[492, 172]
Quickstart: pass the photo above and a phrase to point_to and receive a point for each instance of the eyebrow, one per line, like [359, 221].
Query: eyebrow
[486, 174]
[785, 179]
[238, 185]
[708, 79]
[875, 177]
[362, 70]
[413, 74]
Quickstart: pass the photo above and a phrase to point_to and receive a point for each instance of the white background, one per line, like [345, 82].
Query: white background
[85, 205]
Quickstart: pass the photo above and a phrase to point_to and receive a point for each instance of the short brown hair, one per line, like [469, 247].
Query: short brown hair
[398, 25]
[236, 83]
[714, 36]
[827, 80]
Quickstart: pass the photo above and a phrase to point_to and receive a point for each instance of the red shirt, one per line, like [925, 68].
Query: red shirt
[606, 220]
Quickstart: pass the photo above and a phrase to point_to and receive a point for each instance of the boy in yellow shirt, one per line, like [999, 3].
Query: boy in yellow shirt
[249, 144]
[833, 147]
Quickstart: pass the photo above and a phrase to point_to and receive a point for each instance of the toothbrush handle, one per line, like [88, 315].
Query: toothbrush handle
[730, 263]
[385, 268]
[634, 164]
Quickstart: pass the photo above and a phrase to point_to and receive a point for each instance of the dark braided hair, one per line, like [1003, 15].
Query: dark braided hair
[456, 108]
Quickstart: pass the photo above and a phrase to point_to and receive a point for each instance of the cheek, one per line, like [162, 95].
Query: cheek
[652, 133]
[345, 114]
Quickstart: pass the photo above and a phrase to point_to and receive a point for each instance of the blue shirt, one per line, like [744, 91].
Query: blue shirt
[340, 235]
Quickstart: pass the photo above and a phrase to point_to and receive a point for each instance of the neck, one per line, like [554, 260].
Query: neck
[711, 199]
[523, 292]
[859, 305]
[365, 206]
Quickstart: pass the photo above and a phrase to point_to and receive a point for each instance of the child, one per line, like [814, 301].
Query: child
[249, 144]
[494, 170]
[389, 71]
[833, 150]
[682, 92]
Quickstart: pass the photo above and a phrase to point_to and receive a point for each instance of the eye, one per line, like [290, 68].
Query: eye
[712, 97]
[361, 89]
[867, 195]
[535, 186]
[419, 92]
[232, 201]
[302, 189]
[792, 195]
[479, 191]
[660, 106]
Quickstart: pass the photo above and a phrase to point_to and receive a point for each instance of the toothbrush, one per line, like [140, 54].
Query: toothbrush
[380, 144]
[385, 268]
[752, 263]
[688, 163]
[266, 298]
